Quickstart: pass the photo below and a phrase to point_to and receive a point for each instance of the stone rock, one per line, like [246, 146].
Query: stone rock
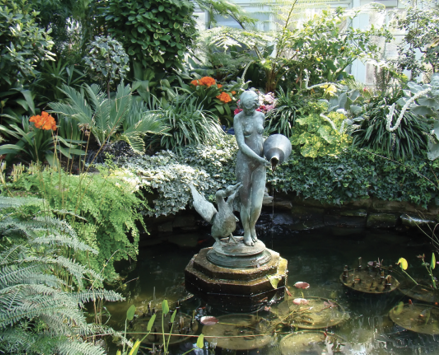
[307, 217]
[283, 219]
[382, 220]
[354, 213]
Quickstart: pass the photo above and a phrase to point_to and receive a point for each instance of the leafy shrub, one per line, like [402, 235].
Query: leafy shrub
[106, 60]
[420, 27]
[51, 76]
[43, 285]
[107, 203]
[317, 134]
[409, 139]
[208, 167]
[156, 33]
[357, 174]
[349, 175]
[22, 42]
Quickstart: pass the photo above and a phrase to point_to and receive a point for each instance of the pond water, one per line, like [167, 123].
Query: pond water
[316, 257]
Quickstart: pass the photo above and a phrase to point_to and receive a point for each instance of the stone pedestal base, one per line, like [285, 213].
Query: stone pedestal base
[245, 282]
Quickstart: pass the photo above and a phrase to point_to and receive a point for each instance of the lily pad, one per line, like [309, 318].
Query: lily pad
[313, 342]
[239, 332]
[417, 317]
[317, 313]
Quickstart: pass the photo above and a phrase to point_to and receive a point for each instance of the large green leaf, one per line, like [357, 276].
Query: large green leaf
[130, 312]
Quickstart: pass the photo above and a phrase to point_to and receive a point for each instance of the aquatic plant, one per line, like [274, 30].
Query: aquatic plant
[428, 266]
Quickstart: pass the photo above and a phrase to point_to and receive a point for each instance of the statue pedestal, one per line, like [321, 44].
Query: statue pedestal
[233, 277]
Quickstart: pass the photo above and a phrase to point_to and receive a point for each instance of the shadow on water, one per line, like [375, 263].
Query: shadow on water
[316, 257]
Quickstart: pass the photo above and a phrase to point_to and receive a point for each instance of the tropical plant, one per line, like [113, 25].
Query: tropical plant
[225, 9]
[104, 118]
[189, 122]
[37, 140]
[429, 266]
[156, 33]
[422, 100]
[408, 139]
[43, 287]
[151, 85]
[106, 60]
[22, 43]
[328, 44]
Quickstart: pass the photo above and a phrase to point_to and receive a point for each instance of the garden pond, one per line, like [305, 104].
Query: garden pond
[361, 322]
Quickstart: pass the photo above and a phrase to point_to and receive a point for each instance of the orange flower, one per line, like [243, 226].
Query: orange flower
[233, 92]
[195, 82]
[219, 86]
[224, 97]
[44, 121]
[207, 81]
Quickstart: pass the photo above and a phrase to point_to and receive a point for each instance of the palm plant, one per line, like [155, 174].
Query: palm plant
[104, 118]
[42, 286]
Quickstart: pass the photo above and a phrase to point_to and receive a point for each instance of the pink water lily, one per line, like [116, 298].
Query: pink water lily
[302, 285]
[209, 320]
[300, 301]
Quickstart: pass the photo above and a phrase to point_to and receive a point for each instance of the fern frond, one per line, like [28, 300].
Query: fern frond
[12, 252]
[95, 294]
[60, 239]
[16, 340]
[14, 202]
[31, 306]
[75, 347]
[11, 275]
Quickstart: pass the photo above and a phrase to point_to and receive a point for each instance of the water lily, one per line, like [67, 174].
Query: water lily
[302, 285]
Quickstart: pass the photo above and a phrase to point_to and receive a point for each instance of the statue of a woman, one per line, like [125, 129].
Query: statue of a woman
[250, 163]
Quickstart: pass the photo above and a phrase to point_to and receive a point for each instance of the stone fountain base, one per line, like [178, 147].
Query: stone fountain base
[233, 277]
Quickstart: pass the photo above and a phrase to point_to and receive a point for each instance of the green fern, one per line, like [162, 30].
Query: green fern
[40, 312]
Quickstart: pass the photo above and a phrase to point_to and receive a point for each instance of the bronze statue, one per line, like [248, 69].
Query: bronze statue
[250, 174]
[250, 162]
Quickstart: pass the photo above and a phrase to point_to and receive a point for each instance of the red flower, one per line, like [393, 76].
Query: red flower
[207, 81]
[224, 97]
[45, 121]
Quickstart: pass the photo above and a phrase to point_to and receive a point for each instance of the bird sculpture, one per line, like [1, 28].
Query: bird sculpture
[223, 220]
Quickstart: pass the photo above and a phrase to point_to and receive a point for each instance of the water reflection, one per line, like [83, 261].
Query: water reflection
[316, 257]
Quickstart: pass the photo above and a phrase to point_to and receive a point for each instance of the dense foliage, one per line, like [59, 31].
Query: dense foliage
[156, 33]
[333, 178]
[208, 167]
[22, 43]
[421, 27]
